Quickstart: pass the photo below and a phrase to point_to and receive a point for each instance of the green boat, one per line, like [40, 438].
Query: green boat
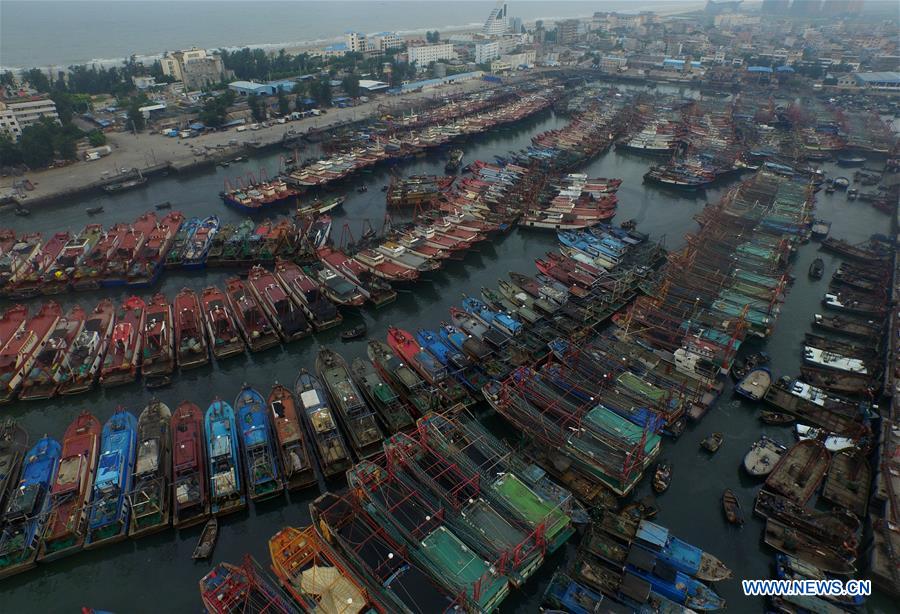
[392, 411]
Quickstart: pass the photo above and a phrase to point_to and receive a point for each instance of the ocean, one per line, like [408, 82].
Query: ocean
[62, 33]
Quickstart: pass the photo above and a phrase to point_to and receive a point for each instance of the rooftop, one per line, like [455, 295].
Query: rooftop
[879, 76]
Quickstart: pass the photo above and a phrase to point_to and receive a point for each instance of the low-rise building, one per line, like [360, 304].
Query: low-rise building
[426, 54]
[194, 67]
[613, 63]
[887, 81]
[18, 114]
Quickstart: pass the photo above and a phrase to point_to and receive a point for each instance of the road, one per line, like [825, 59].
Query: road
[146, 151]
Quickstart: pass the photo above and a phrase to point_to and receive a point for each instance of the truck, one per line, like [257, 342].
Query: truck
[95, 153]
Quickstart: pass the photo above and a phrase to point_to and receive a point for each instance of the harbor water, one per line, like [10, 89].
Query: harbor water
[156, 573]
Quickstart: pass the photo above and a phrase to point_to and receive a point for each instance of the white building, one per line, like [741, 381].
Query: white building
[16, 115]
[426, 54]
[193, 67]
[356, 42]
[485, 52]
[386, 40]
[515, 60]
[497, 22]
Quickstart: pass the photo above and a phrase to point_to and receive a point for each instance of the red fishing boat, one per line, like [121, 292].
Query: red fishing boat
[123, 357]
[7, 239]
[190, 337]
[128, 249]
[30, 281]
[148, 262]
[158, 360]
[407, 348]
[11, 322]
[71, 491]
[82, 364]
[378, 265]
[570, 264]
[567, 275]
[189, 483]
[288, 318]
[322, 313]
[89, 273]
[49, 366]
[58, 275]
[19, 353]
[343, 284]
[250, 317]
[457, 248]
[16, 262]
[221, 325]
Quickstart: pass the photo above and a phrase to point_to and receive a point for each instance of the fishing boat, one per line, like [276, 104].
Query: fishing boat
[13, 443]
[406, 381]
[220, 323]
[81, 366]
[406, 347]
[755, 384]
[190, 337]
[800, 471]
[175, 257]
[797, 544]
[355, 332]
[788, 567]
[713, 442]
[229, 589]
[381, 396]
[319, 232]
[454, 160]
[158, 360]
[763, 456]
[29, 281]
[11, 322]
[671, 583]
[732, 507]
[47, 368]
[250, 316]
[190, 498]
[292, 442]
[224, 461]
[123, 356]
[264, 479]
[570, 596]
[322, 313]
[26, 514]
[820, 229]
[334, 455]
[136, 180]
[849, 159]
[148, 261]
[848, 481]
[352, 410]
[310, 571]
[70, 495]
[19, 354]
[817, 269]
[288, 319]
[109, 514]
[207, 542]
[662, 476]
[199, 243]
[150, 507]
[774, 417]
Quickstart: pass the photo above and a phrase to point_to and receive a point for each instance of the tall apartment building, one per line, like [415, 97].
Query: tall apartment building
[194, 67]
[485, 52]
[18, 114]
[424, 55]
[497, 22]
[567, 31]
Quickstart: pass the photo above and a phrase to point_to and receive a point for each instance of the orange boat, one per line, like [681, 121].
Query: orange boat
[48, 368]
[19, 353]
[71, 491]
[292, 445]
[312, 573]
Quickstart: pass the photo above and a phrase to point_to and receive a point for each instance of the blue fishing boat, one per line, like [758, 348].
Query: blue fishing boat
[679, 554]
[458, 365]
[26, 514]
[226, 490]
[500, 321]
[109, 511]
[198, 245]
[182, 239]
[671, 583]
[264, 478]
[569, 596]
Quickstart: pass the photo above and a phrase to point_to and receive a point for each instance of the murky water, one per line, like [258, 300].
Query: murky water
[156, 573]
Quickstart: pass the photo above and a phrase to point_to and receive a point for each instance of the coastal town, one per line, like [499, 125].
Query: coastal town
[589, 314]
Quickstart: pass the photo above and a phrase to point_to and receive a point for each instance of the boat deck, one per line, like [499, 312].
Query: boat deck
[848, 482]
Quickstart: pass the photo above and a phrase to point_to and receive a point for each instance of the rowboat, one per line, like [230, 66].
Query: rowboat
[732, 507]
[207, 541]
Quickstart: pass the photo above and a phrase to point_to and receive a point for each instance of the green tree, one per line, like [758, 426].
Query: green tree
[257, 108]
[64, 105]
[36, 144]
[350, 85]
[320, 91]
[37, 79]
[96, 138]
[284, 106]
[432, 37]
[7, 79]
[136, 116]
[10, 153]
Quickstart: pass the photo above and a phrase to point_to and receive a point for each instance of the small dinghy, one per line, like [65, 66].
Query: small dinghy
[732, 507]
[662, 477]
[354, 333]
[713, 442]
[207, 542]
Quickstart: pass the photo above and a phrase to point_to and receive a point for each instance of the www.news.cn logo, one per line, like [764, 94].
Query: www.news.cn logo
[818, 588]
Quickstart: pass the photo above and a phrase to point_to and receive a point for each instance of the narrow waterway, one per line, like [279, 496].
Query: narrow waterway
[157, 574]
